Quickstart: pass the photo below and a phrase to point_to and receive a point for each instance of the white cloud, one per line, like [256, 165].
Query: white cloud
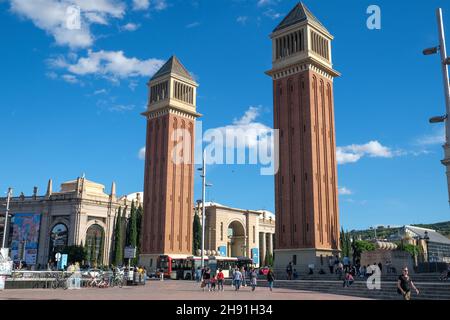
[130, 26]
[53, 17]
[101, 91]
[193, 25]
[121, 108]
[141, 153]
[160, 5]
[263, 3]
[141, 4]
[272, 14]
[354, 152]
[112, 65]
[344, 191]
[242, 20]
[70, 78]
[437, 138]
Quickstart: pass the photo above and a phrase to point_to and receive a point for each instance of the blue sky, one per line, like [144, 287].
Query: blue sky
[71, 100]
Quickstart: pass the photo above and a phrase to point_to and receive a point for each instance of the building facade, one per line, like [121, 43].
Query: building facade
[234, 232]
[169, 163]
[306, 194]
[81, 213]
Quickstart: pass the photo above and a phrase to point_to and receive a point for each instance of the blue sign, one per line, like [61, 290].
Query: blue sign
[62, 263]
[222, 251]
[255, 255]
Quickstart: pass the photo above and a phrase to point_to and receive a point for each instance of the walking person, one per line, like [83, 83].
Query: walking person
[289, 271]
[404, 285]
[270, 279]
[244, 276]
[206, 279]
[198, 274]
[237, 278]
[220, 279]
[253, 278]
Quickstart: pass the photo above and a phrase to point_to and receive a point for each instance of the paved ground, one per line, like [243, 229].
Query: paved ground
[167, 290]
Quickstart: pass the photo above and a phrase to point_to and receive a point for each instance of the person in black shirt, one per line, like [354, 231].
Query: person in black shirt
[404, 285]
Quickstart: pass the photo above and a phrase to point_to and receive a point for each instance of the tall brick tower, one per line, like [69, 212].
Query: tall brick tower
[306, 195]
[169, 164]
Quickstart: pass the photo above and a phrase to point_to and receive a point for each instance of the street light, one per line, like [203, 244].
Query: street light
[444, 62]
[204, 185]
[438, 119]
[430, 51]
[427, 240]
[5, 227]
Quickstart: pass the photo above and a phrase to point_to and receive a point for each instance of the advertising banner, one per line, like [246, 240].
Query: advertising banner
[255, 256]
[25, 237]
[222, 251]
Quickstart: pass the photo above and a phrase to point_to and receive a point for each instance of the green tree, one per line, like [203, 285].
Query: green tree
[268, 259]
[360, 246]
[345, 243]
[75, 254]
[197, 238]
[118, 248]
[133, 240]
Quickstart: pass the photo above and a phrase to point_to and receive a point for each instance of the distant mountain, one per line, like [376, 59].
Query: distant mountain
[385, 232]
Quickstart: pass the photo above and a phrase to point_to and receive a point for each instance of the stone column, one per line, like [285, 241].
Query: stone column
[263, 250]
[270, 242]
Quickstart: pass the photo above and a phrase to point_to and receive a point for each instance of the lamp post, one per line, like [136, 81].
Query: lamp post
[204, 185]
[427, 241]
[444, 118]
[5, 227]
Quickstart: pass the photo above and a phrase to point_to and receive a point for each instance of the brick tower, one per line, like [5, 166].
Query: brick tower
[169, 163]
[306, 195]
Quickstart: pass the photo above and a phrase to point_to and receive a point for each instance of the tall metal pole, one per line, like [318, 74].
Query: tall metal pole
[203, 207]
[443, 49]
[5, 227]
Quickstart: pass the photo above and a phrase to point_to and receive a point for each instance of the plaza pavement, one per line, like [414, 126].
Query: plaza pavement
[167, 290]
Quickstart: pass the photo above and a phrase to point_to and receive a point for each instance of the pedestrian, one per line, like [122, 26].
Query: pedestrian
[198, 274]
[270, 279]
[331, 264]
[348, 280]
[161, 274]
[144, 271]
[404, 285]
[237, 278]
[253, 278]
[295, 274]
[220, 279]
[206, 279]
[289, 271]
[213, 281]
[244, 276]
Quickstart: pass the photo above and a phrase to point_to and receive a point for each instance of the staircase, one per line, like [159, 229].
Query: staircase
[429, 285]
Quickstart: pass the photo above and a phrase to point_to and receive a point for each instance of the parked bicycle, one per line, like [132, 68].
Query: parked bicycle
[59, 281]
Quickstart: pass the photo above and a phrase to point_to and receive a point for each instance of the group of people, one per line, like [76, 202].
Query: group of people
[214, 282]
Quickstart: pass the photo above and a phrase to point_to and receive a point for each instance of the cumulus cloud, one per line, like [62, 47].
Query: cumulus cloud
[112, 65]
[70, 78]
[160, 5]
[354, 152]
[55, 16]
